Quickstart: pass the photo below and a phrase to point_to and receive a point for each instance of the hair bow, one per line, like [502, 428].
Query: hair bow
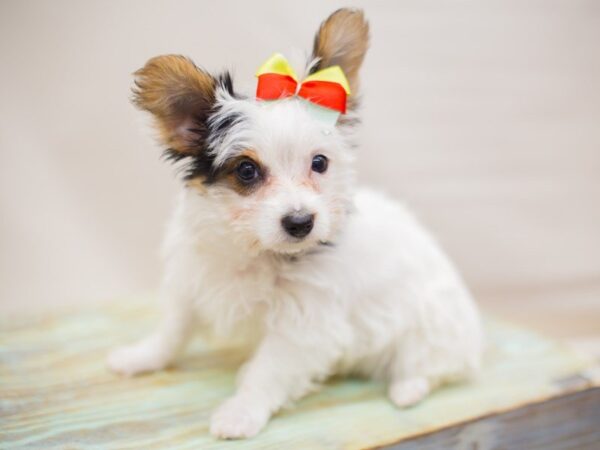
[327, 88]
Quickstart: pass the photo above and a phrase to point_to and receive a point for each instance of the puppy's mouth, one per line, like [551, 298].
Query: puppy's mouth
[293, 246]
[293, 254]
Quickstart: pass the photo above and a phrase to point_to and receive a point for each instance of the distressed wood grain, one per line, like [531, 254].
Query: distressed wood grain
[55, 392]
[570, 421]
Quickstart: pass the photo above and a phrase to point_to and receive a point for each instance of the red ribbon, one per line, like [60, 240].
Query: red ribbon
[273, 86]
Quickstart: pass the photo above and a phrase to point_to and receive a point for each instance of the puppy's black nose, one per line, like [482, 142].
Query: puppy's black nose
[298, 224]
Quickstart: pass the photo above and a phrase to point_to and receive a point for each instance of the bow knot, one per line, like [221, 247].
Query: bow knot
[328, 88]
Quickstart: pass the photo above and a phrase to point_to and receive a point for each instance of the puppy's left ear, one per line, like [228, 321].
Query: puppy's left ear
[181, 97]
[343, 40]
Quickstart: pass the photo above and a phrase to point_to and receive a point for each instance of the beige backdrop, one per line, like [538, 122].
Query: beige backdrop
[485, 116]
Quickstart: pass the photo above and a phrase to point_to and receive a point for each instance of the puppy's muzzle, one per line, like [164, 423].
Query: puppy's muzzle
[298, 224]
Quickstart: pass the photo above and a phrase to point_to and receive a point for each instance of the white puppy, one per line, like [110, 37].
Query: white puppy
[271, 238]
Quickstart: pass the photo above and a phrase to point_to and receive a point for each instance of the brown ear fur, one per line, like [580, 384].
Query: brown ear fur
[343, 40]
[180, 96]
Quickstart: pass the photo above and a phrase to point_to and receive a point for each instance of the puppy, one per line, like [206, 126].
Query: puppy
[271, 238]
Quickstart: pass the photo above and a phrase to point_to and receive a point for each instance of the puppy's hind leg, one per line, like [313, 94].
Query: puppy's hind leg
[410, 377]
[408, 392]
[442, 345]
[158, 350]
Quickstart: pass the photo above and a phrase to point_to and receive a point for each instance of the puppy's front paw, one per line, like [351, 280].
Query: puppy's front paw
[409, 392]
[135, 359]
[237, 419]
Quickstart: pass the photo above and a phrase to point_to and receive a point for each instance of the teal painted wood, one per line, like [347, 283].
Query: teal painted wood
[56, 393]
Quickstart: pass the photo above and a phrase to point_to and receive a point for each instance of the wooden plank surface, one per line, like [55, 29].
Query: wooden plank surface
[56, 393]
[571, 421]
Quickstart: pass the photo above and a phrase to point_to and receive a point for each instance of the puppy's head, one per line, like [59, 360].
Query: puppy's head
[279, 177]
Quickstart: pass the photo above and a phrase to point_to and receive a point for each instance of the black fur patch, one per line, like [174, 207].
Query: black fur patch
[200, 163]
[193, 166]
[225, 81]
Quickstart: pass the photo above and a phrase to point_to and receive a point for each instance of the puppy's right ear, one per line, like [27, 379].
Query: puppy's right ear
[343, 40]
[181, 97]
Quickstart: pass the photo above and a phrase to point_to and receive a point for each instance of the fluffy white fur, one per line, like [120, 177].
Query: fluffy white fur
[368, 291]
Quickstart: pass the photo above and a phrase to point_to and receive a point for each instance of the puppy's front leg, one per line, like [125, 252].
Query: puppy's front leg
[157, 350]
[280, 371]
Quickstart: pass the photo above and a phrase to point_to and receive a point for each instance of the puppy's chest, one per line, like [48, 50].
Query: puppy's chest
[234, 293]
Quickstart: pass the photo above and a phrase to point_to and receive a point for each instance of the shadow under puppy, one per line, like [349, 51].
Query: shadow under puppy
[271, 237]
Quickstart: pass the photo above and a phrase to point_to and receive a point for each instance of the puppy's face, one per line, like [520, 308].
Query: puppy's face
[280, 177]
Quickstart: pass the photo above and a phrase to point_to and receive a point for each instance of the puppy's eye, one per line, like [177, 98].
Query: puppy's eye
[247, 171]
[319, 163]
